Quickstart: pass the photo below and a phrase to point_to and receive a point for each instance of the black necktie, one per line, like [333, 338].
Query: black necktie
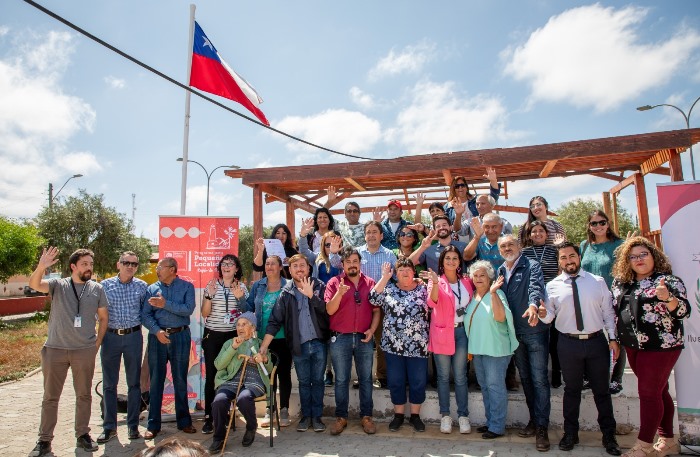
[577, 304]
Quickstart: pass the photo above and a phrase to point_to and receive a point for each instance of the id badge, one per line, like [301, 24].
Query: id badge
[78, 322]
[227, 319]
[333, 339]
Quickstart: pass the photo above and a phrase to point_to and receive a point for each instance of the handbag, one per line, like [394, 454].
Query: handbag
[626, 319]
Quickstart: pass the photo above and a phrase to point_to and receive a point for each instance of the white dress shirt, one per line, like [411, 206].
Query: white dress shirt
[596, 304]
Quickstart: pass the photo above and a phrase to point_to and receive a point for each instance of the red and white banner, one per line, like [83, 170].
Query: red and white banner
[197, 243]
[679, 211]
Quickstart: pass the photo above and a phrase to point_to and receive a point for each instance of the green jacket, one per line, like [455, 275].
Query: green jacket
[227, 362]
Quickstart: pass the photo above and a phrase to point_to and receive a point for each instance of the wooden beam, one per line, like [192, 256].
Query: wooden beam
[355, 184]
[257, 220]
[337, 198]
[676, 166]
[547, 169]
[642, 208]
[664, 171]
[447, 174]
[405, 195]
[615, 220]
[623, 184]
[655, 161]
[285, 197]
[291, 220]
[606, 203]
[608, 176]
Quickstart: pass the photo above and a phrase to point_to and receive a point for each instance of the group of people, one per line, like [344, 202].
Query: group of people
[469, 292]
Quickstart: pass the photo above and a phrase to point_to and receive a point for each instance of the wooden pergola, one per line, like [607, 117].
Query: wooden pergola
[624, 160]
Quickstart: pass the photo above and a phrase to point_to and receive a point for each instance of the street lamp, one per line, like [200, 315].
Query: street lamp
[52, 197]
[687, 124]
[209, 174]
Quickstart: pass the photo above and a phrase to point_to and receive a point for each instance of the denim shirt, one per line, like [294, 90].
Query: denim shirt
[256, 297]
[389, 236]
[179, 305]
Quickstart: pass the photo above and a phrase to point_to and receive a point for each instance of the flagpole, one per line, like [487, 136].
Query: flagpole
[186, 139]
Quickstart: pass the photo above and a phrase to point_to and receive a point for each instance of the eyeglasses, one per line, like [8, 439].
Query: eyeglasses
[642, 256]
[602, 223]
[160, 267]
[536, 205]
[406, 234]
[352, 211]
[358, 300]
[460, 185]
[228, 264]
[129, 264]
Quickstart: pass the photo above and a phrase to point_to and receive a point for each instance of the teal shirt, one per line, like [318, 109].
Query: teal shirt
[486, 335]
[599, 258]
[268, 303]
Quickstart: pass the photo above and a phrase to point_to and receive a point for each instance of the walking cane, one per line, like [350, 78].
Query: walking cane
[233, 406]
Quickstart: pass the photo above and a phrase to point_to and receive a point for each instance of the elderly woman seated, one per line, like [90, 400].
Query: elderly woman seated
[231, 381]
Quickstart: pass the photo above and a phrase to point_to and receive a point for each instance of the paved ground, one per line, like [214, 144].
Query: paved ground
[21, 404]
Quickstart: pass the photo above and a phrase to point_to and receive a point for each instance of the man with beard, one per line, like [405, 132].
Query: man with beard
[484, 244]
[167, 307]
[582, 304]
[524, 289]
[428, 254]
[301, 310]
[71, 342]
[353, 321]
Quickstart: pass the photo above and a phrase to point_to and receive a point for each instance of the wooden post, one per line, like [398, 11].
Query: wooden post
[606, 203]
[257, 221]
[642, 209]
[291, 221]
[676, 166]
[615, 222]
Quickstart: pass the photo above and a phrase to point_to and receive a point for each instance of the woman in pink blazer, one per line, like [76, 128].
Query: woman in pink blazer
[448, 296]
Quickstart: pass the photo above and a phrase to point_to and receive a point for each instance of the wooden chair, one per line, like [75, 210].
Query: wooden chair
[271, 400]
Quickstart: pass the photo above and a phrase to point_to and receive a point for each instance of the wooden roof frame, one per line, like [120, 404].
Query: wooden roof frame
[304, 186]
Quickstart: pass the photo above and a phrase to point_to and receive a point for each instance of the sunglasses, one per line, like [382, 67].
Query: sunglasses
[602, 223]
[352, 211]
[642, 256]
[228, 264]
[406, 234]
[357, 297]
[460, 185]
[129, 264]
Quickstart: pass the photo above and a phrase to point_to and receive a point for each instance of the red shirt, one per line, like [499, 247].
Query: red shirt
[351, 316]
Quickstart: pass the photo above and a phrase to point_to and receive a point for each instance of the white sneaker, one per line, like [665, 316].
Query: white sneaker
[446, 424]
[464, 425]
[284, 418]
[265, 421]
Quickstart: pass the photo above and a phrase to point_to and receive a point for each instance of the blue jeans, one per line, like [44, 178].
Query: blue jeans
[491, 374]
[177, 352]
[458, 364]
[531, 360]
[111, 351]
[400, 369]
[311, 367]
[342, 351]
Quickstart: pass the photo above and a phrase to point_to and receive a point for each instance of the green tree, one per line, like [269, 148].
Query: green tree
[19, 246]
[86, 222]
[573, 215]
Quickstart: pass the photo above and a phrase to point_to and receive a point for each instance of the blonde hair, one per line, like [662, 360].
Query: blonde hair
[322, 256]
[622, 268]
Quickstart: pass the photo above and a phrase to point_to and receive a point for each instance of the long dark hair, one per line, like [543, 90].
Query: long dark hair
[287, 244]
[415, 236]
[331, 224]
[531, 217]
[441, 260]
[239, 269]
[610, 233]
[527, 241]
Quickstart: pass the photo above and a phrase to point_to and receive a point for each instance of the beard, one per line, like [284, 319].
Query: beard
[85, 276]
[572, 268]
[443, 233]
[511, 256]
[352, 272]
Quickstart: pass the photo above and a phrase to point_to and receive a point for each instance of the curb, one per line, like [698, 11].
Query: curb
[28, 375]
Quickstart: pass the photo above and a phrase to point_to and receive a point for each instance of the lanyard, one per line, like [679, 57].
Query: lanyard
[78, 297]
[458, 293]
[227, 294]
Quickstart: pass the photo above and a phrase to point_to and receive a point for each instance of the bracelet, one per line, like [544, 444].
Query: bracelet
[670, 298]
[207, 297]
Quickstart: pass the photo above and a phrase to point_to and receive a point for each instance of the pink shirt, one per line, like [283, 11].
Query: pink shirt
[442, 320]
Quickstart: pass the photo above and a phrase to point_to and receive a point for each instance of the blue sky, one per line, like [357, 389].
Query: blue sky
[377, 79]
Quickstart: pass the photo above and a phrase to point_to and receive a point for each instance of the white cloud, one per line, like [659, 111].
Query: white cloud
[411, 59]
[346, 131]
[361, 98]
[4, 30]
[37, 121]
[593, 56]
[439, 119]
[114, 82]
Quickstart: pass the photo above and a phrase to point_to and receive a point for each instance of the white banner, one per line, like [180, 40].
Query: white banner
[679, 211]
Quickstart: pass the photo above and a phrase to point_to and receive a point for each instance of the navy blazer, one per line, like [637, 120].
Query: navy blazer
[525, 288]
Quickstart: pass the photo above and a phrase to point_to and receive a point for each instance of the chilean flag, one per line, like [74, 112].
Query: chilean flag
[211, 73]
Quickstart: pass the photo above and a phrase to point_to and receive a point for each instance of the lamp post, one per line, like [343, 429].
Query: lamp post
[52, 197]
[687, 124]
[209, 174]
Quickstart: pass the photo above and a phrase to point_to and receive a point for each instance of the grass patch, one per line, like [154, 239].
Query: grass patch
[20, 348]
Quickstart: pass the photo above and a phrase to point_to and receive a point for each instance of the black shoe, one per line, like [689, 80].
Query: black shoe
[396, 423]
[106, 435]
[86, 442]
[542, 439]
[41, 448]
[417, 423]
[318, 424]
[568, 441]
[381, 383]
[586, 385]
[328, 381]
[355, 384]
[528, 431]
[134, 433]
[482, 429]
[610, 444]
[207, 428]
[489, 435]
[216, 446]
[249, 437]
[303, 424]
[556, 379]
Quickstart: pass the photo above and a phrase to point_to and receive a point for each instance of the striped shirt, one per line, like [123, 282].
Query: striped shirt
[371, 264]
[546, 256]
[124, 301]
[223, 304]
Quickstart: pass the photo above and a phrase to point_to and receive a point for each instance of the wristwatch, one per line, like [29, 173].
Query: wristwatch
[670, 297]
[208, 297]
